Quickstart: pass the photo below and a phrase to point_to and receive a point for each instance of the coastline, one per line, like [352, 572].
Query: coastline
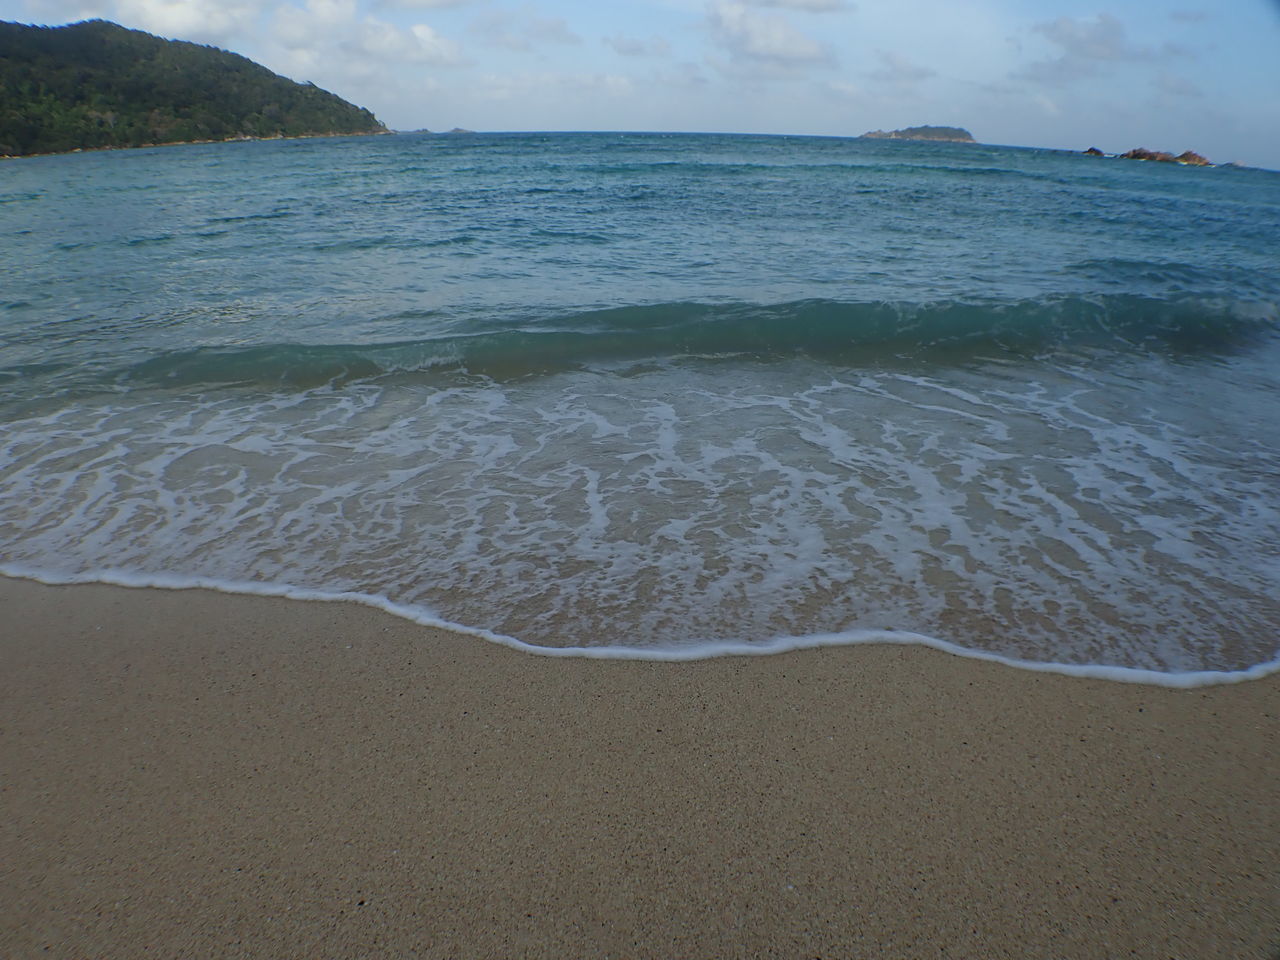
[204, 774]
[189, 143]
[681, 653]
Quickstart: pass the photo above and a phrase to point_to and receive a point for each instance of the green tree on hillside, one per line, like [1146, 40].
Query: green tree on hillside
[97, 84]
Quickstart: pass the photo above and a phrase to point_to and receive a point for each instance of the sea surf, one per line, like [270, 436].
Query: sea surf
[661, 395]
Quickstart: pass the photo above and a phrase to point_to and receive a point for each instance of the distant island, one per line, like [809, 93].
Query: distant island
[95, 84]
[950, 134]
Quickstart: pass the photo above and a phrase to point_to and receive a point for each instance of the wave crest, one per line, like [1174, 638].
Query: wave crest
[847, 333]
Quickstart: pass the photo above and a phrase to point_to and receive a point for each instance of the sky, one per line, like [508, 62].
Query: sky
[1175, 75]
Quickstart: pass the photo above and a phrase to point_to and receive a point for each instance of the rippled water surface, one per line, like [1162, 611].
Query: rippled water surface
[652, 390]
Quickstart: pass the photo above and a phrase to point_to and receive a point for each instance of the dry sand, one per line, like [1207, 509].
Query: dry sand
[186, 774]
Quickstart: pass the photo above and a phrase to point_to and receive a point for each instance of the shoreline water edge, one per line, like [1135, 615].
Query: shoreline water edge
[680, 653]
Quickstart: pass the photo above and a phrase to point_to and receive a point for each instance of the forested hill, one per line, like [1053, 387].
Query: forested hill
[954, 134]
[97, 84]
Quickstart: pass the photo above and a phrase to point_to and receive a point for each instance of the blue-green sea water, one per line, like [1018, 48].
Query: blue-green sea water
[674, 394]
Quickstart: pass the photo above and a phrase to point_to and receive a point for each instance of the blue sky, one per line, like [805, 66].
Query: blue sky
[1175, 75]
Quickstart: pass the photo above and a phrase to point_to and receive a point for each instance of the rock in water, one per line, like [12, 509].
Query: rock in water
[1187, 158]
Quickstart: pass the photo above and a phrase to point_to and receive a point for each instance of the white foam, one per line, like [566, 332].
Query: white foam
[1035, 518]
[674, 654]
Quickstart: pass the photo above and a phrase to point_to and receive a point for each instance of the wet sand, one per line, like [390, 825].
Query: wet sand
[188, 774]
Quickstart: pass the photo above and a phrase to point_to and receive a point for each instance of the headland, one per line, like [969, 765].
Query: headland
[97, 85]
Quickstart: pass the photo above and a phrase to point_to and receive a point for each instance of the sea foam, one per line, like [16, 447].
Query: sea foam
[678, 654]
[676, 394]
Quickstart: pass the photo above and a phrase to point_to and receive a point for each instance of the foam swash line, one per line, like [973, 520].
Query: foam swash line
[675, 654]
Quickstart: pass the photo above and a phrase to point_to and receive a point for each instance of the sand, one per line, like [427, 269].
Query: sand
[188, 774]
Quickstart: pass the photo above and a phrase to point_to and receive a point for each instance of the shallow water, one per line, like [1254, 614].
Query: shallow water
[661, 392]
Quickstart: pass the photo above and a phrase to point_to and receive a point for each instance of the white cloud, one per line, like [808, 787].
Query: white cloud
[357, 55]
[550, 85]
[896, 70]
[812, 6]
[633, 47]
[1047, 106]
[1177, 86]
[202, 21]
[384, 42]
[422, 4]
[683, 76]
[61, 11]
[334, 32]
[1085, 47]
[330, 12]
[294, 30]
[762, 37]
[522, 30]
[1103, 38]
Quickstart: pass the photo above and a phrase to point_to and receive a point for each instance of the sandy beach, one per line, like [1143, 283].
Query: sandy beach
[188, 774]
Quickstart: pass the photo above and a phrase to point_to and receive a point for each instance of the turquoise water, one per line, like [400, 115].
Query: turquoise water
[669, 393]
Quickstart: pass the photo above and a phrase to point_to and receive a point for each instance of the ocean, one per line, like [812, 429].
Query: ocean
[660, 395]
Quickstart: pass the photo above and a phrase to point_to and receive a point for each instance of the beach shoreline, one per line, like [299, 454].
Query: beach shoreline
[194, 143]
[194, 773]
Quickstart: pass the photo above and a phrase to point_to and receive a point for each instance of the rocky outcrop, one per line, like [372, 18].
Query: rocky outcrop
[1142, 153]
[1188, 158]
[1094, 152]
